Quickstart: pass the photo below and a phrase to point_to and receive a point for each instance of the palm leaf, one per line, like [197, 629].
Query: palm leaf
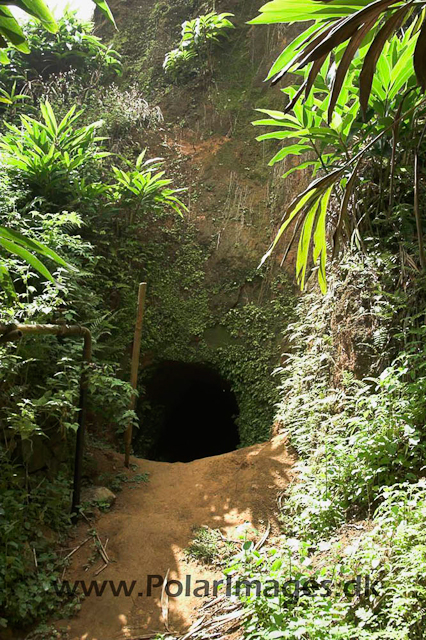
[420, 57]
[335, 23]
[11, 30]
[370, 61]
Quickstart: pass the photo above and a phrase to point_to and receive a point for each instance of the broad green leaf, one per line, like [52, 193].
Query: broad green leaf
[11, 30]
[305, 243]
[291, 150]
[28, 257]
[33, 245]
[305, 10]
[104, 8]
[279, 115]
[49, 117]
[38, 9]
[320, 241]
[290, 216]
[4, 59]
[274, 123]
[283, 135]
[6, 282]
[349, 119]
[287, 55]
[300, 167]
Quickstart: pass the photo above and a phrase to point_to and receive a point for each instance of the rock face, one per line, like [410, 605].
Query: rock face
[207, 300]
[236, 200]
[99, 495]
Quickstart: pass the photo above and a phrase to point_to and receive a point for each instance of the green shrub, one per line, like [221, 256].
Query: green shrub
[34, 513]
[72, 46]
[144, 189]
[392, 555]
[50, 155]
[195, 47]
[209, 546]
[353, 436]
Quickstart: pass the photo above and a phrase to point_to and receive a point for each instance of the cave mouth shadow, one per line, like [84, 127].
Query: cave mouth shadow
[194, 410]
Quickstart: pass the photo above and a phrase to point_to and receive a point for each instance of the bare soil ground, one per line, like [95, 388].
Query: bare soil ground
[151, 524]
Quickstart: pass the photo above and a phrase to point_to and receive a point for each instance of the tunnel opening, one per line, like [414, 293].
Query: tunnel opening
[191, 413]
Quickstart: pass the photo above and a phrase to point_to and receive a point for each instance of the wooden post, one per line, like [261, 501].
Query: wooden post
[135, 367]
[81, 431]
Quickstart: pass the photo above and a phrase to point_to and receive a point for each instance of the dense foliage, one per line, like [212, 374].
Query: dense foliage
[367, 25]
[353, 381]
[78, 185]
[356, 507]
[86, 215]
[55, 166]
[195, 48]
[329, 124]
[12, 35]
[71, 46]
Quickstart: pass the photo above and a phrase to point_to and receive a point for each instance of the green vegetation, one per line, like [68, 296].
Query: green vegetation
[30, 525]
[115, 482]
[353, 381]
[11, 32]
[195, 48]
[210, 547]
[80, 190]
[87, 214]
[44, 142]
[356, 507]
[391, 555]
[337, 120]
[249, 334]
[140, 190]
[51, 53]
[54, 166]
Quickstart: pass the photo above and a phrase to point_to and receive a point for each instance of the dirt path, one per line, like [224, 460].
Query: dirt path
[150, 526]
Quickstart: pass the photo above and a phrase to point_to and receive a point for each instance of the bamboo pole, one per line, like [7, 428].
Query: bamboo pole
[135, 367]
[417, 215]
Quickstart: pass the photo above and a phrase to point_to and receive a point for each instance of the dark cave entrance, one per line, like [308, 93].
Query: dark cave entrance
[192, 412]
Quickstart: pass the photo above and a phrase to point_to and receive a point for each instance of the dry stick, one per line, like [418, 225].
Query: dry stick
[77, 548]
[196, 626]
[165, 602]
[417, 215]
[146, 636]
[263, 539]
[102, 550]
[225, 539]
[212, 603]
[216, 623]
[135, 367]
[105, 564]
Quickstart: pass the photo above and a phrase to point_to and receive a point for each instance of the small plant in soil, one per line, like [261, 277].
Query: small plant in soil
[115, 482]
[209, 546]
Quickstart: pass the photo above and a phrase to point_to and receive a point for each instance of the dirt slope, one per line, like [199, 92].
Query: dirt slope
[150, 526]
